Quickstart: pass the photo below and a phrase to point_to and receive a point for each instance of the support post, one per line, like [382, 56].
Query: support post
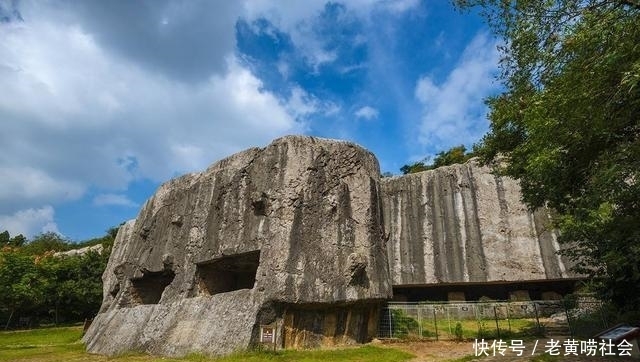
[419, 322]
[435, 322]
[9, 321]
[495, 314]
[390, 324]
[535, 309]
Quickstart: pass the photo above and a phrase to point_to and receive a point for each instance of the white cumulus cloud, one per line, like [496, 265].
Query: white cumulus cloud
[29, 186]
[367, 113]
[77, 114]
[453, 111]
[30, 222]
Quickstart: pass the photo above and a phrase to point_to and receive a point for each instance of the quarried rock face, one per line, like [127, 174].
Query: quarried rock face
[304, 237]
[289, 235]
[461, 223]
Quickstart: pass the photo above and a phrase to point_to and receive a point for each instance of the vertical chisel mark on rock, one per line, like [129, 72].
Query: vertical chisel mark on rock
[440, 268]
[505, 228]
[453, 251]
[476, 262]
[546, 241]
[416, 248]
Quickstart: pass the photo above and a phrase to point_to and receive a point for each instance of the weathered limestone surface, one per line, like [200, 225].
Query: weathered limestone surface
[80, 252]
[461, 223]
[304, 236]
[289, 235]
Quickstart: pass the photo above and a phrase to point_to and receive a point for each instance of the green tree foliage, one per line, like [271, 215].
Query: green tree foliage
[21, 287]
[454, 155]
[568, 126]
[7, 240]
[49, 241]
[4, 237]
[36, 284]
[73, 287]
[106, 240]
[415, 167]
[457, 154]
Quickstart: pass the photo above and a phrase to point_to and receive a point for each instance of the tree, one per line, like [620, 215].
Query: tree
[415, 167]
[457, 154]
[72, 285]
[48, 241]
[37, 284]
[7, 240]
[568, 126]
[21, 288]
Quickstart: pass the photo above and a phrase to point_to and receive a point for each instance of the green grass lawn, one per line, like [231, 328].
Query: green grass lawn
[63, 344]
[511, 328]
[407, 326]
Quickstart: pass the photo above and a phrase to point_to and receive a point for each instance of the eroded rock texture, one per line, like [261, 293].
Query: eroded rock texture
[303, 235]
[289, 235]
[462, 223]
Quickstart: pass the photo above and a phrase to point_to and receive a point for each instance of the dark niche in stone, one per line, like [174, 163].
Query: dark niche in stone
[228, 273]
[148, 289]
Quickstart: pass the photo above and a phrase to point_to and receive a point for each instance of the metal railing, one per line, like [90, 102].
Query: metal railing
[495, 319]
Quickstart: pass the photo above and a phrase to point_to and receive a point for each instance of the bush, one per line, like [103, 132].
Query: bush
[458, 332]
[402, 324]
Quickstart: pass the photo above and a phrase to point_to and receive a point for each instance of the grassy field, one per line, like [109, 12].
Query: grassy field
[408, 326]
[63, 344]
[513, 328]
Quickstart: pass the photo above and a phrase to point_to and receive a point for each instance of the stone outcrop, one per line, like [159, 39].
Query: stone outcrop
[461, 223]
[81, 251]
[289, 235]
[305, 237]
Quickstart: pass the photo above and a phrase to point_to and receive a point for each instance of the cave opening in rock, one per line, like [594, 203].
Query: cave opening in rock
[228, 273]
[148, 289]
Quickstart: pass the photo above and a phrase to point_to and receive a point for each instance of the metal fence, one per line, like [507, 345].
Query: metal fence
[468, 320]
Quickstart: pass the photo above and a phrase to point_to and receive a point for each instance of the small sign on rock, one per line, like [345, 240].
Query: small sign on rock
[267, 335]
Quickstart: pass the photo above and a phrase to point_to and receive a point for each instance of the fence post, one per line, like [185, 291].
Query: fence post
[390, 324]
[419, 320]
[435, 322]
[535, 309]
[495, 315]
[475, 311]
[449, 321]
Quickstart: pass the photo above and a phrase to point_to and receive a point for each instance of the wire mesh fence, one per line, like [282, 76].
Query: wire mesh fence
[468, 320]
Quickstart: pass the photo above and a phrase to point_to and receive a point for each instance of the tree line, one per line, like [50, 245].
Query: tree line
[457, 154]
[37, 287]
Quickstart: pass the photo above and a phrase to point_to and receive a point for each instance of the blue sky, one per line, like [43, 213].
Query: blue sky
[102, 101]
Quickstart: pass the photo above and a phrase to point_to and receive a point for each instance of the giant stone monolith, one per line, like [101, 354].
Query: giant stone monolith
[289, 235]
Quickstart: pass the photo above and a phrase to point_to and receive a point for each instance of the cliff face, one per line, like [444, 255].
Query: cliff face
[212, 256]
[463, 224]
[303, 236]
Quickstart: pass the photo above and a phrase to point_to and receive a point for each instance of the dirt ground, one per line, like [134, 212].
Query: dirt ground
[441, 351]
[432, 350]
